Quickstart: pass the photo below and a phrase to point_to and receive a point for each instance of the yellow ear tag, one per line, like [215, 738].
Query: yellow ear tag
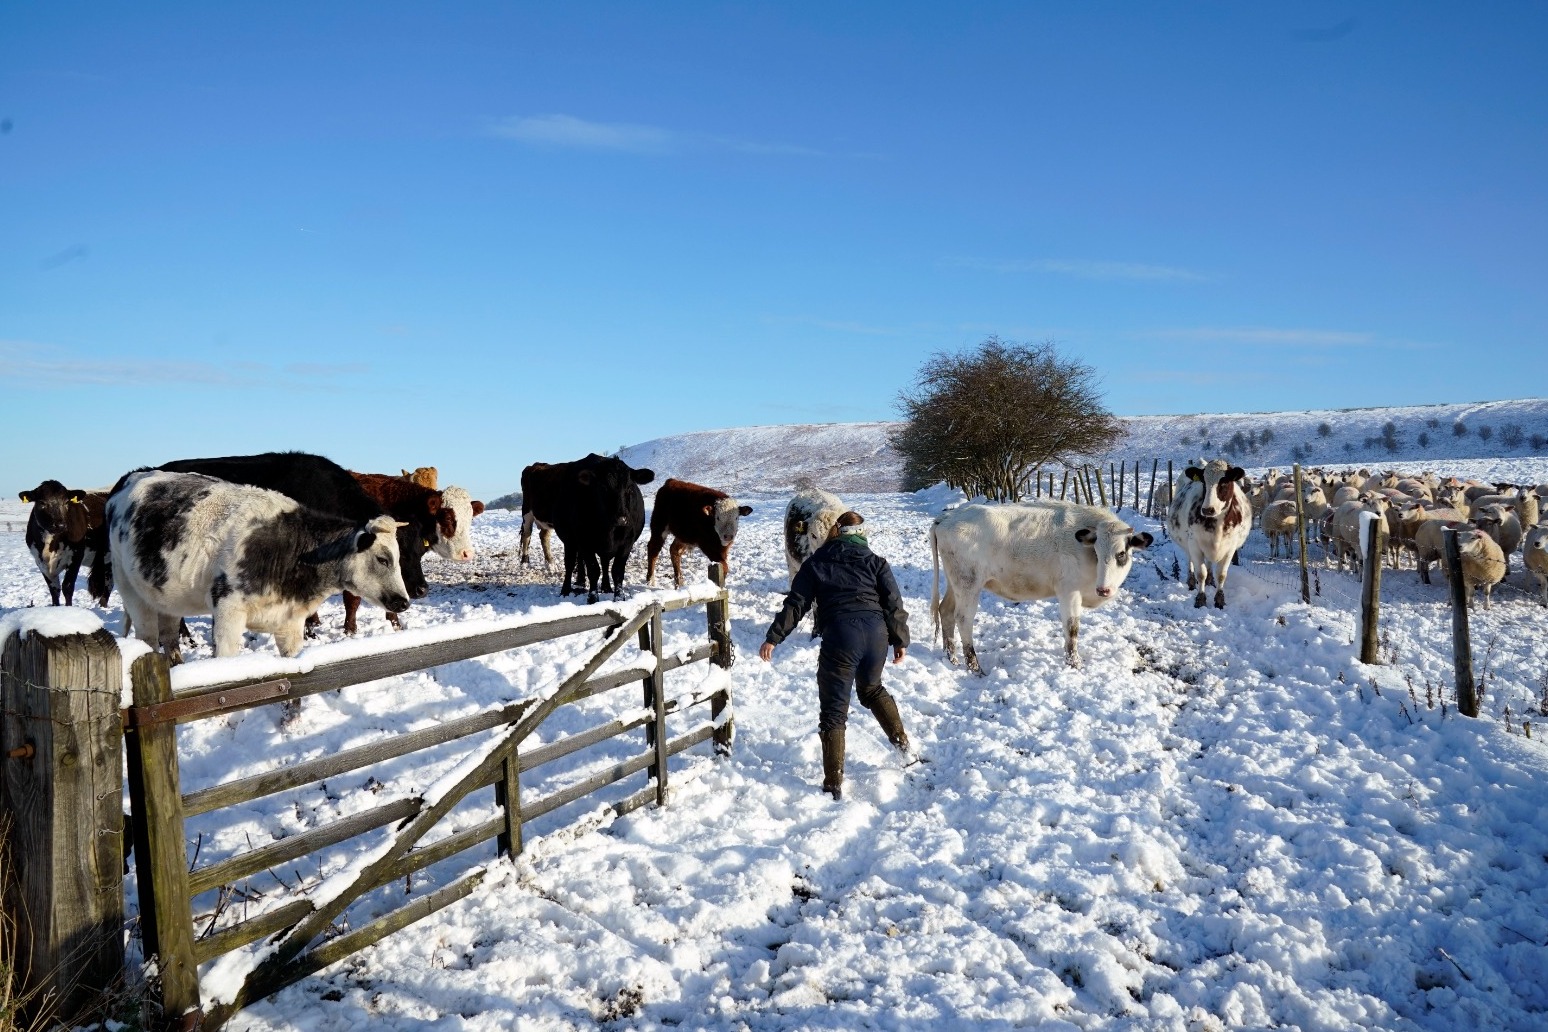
[427, 542]
[75, 499]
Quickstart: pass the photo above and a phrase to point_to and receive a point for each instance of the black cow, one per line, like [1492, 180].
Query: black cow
[595, 506]
[65, 529]
[325, 486]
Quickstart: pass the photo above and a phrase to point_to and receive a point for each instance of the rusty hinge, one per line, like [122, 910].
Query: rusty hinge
[207, 705]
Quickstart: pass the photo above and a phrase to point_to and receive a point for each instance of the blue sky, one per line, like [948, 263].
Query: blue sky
[476, 235]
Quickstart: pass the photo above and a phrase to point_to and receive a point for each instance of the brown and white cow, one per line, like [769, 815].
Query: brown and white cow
[65, 529]
[1079, 554]
[1209, 520]
[424, 476]
[695, 516]
[443, 520]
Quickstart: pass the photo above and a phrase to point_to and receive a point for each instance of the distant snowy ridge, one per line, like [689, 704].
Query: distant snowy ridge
[859, 458]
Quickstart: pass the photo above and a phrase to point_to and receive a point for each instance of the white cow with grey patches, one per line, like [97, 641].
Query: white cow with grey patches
[809, 521]
[184, 544]
[1079, 554]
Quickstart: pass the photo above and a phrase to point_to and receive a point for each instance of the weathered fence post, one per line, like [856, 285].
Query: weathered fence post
[160, 849]
[1101, 491]
[657, 682]
[62, 792]
[1461, 639]
[1300, 526]
[1151, 505]
[508, 798]
[1122, 468]
[717, 611]
[1171, 486]
[1137, 508]
[1370, 588]
[1064, 485]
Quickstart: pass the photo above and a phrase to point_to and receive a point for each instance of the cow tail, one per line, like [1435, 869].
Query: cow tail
[935, 586]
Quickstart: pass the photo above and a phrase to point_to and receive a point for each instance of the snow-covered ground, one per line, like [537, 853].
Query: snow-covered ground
[858, 457]
[1220, 821]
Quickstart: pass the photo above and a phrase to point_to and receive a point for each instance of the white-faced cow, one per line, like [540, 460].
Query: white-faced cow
[810, 519]
[1210, 519]
[1078, 554]
[184, 544]
[65, 530]
[695, 516]
[595, 506]
[441, 520]
[321, 484]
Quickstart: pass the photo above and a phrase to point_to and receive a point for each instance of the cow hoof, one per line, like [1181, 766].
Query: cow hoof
[592, 599]
[1219, 600]
[1198, 601]
[1193, 582]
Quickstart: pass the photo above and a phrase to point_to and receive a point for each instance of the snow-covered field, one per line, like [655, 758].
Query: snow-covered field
[1221, 821]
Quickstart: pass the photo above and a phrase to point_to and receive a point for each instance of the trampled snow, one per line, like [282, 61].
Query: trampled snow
[1222, 820]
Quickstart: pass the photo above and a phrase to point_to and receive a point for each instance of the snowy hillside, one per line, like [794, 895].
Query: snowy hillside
[857, 457]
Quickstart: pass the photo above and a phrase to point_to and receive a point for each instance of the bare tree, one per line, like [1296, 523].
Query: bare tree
[987, 420]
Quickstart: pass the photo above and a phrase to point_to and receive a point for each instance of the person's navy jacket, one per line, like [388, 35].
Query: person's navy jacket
[843, 576]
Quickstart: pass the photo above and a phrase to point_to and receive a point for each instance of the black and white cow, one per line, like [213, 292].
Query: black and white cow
[65, 530]
[595, 506]
[810, 519]
[185, 544]
[1209, 520]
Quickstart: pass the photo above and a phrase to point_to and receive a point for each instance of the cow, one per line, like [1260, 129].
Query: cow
[65, 530]
[695, 516]
[810, 519]
[424, 476]
[184, 544]
[595, 506]
[441, 521]
[1210, 519]
[1079, 554]
[321, 484]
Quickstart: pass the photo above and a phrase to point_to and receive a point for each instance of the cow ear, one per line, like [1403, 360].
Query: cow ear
[478, 507]
[1194, 473]
[709, 510]
[25, 496]
[745, 510]
[1235, 473]
[643, 476]
[1086, 536]
[433, 503]
[364, 540]
[1141, 540]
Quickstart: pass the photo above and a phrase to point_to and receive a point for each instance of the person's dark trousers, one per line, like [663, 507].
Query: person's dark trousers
[854, 652]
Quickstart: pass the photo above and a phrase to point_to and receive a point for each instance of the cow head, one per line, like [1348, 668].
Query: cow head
[453, 511]
[1220, 486]
[609, 479]
[1113, 545]
[371, 563]
[724, 513]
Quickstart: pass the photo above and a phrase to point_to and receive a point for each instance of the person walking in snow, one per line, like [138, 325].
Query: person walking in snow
[859, 614]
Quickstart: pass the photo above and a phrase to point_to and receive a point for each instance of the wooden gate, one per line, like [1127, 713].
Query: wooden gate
[295, 933]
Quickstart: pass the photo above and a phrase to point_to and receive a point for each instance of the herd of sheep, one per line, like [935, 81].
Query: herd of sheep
[1492, 521]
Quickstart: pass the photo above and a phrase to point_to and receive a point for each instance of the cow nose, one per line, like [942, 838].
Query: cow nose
[419, 592]
[465, 555]
[395, 603]
[1104, 592]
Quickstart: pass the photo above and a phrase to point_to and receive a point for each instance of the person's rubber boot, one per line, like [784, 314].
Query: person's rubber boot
[886, 711]
[833, 762]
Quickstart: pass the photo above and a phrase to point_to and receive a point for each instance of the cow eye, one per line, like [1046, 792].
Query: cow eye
[1123, 558]
[382, 560]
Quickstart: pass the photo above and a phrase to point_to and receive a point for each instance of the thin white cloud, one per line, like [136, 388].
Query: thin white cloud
[1083, 268]
[567, 132]
[1273, 335]
[38, 365]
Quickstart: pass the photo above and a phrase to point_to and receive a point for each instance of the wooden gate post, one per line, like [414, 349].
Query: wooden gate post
[1300, 526]
[1461, 637]
[1370, 588]
[657, 682]
[63, 792]
[1151, 502]
[717, 611]
[160, 848]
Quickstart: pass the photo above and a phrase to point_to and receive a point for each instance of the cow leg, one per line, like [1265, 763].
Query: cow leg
[619, 562]
[230, 623]
[652, 553]
[1220, 579]
[946, 616]
[679, 546]
[592, 571]
[545, 537]
[351, 608]
[72, 571]
[526, 535]
[967, 610]
[1069, 614]
[571, 563]
[166, 636]
[289, 640]
[313, 622]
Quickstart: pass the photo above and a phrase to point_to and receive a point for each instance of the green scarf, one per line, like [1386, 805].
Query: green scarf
[855, 534]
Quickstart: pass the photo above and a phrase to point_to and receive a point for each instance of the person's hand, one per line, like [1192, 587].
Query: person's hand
[898, 652]
[767, 652]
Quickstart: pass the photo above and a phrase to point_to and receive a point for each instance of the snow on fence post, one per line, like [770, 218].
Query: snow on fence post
[1155, 464]
[1300, 526]
[1373, 532]
[1461, 639]
[160, 848]
[62, 789]
[717, 612]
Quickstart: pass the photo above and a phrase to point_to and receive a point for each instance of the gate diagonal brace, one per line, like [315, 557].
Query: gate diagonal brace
[314, 924]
